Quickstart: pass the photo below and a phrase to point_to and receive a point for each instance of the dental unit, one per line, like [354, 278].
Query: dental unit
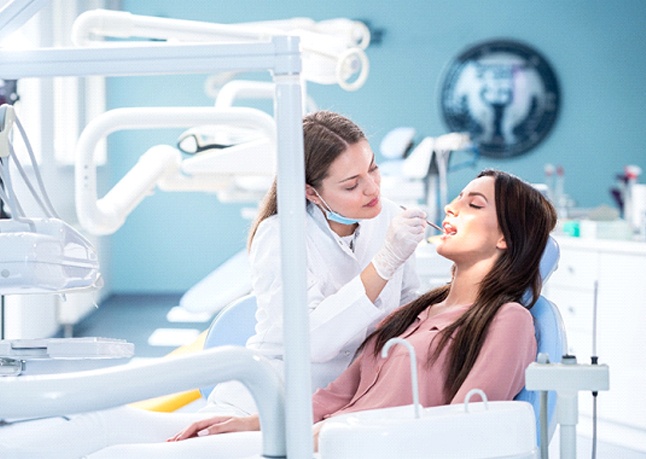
[286, 421]
[40, 255]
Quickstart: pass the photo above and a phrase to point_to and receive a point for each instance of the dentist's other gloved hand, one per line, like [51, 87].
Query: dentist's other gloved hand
[404, 234]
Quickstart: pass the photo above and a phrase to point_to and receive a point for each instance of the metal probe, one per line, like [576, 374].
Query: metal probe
[437, 227]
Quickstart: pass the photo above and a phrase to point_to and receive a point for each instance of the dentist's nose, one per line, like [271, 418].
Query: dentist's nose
[372, 186]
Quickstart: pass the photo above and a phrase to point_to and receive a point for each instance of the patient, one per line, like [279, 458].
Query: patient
[471, 333]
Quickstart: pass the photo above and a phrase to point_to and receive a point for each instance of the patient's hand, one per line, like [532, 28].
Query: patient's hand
[218, 425]
[316, 431]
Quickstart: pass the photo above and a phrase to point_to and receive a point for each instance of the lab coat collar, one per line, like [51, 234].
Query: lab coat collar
[319, 218]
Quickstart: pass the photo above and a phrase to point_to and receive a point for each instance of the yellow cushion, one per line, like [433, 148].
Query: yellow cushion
[172, 402]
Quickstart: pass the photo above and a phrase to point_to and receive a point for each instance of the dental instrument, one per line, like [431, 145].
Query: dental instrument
[568, 378]
[437, 227]
[45, 255]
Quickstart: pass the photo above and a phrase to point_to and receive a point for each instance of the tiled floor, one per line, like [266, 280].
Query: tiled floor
[144, 321]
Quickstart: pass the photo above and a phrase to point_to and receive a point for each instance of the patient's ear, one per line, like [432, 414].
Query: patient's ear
[502, 243]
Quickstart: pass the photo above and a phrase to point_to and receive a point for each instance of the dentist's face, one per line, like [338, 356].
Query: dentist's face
[352, 185]
[471, 231]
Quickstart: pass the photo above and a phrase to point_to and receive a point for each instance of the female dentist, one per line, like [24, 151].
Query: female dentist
[359, 247]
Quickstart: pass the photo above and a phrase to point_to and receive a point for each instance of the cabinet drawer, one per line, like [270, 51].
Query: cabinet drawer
[576, 307]
[576, 269]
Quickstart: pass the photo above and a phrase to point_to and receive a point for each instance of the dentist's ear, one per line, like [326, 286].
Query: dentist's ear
[310, 194]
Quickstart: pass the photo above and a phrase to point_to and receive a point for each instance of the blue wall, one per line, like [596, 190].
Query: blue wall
[597, 49]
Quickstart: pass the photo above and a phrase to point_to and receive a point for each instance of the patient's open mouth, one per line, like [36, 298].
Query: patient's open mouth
[449, 230]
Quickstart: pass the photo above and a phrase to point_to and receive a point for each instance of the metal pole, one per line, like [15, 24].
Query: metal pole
[291, 212]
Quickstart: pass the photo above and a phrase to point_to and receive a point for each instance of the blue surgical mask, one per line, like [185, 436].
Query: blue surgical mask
[335, 217]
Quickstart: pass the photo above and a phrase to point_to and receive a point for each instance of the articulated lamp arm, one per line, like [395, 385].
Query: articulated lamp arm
[162, 164]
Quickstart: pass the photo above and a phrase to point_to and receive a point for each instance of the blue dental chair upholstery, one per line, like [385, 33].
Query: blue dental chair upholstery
[550, 338]
[233, 325]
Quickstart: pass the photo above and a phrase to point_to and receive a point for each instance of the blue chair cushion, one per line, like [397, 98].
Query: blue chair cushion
[233, 325]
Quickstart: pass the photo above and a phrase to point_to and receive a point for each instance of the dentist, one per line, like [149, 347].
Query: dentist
[359, 248]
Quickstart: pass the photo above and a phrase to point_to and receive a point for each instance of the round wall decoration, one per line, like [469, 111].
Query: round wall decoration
[504, 94]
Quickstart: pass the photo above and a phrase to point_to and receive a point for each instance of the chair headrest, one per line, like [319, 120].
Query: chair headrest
[549, 259]
[549, 263]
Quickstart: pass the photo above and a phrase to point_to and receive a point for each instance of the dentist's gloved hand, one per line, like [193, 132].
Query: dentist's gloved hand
[404, 234]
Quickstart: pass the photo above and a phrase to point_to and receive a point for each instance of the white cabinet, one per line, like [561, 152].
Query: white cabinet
[619, 269]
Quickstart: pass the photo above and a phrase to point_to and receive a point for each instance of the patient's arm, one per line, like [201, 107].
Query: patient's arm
[218, 425]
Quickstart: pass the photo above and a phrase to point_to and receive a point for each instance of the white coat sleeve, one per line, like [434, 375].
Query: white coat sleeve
[335, 320]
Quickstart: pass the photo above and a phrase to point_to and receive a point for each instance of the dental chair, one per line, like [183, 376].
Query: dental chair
[551, 343]
[232, 326]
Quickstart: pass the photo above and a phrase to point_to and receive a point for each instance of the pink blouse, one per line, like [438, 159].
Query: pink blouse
[373, 382]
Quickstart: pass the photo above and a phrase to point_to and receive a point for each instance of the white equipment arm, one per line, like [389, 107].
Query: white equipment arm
[67, 393]
[332, 50]
[163, 165]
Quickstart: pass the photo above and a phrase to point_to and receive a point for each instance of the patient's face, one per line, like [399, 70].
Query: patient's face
[353, 184]
[471, 226]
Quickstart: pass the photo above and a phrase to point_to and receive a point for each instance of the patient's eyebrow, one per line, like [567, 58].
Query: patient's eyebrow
[477, 193]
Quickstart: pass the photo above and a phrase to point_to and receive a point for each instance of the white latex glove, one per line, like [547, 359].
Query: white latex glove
[405, 232]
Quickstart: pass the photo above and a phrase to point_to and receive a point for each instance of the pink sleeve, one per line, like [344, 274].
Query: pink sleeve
[510, 346]
[338, 393]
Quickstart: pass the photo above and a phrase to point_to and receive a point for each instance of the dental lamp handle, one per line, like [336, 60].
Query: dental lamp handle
[413, 368]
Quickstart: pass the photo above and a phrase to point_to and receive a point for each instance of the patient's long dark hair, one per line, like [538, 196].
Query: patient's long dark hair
[526, 219]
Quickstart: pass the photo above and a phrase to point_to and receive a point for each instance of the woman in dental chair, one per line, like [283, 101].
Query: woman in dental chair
[471, 333]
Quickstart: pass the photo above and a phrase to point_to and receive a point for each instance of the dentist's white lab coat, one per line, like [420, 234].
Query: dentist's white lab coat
[341, 315]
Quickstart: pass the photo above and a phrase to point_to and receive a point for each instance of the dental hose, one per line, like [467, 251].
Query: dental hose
[594, 360]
